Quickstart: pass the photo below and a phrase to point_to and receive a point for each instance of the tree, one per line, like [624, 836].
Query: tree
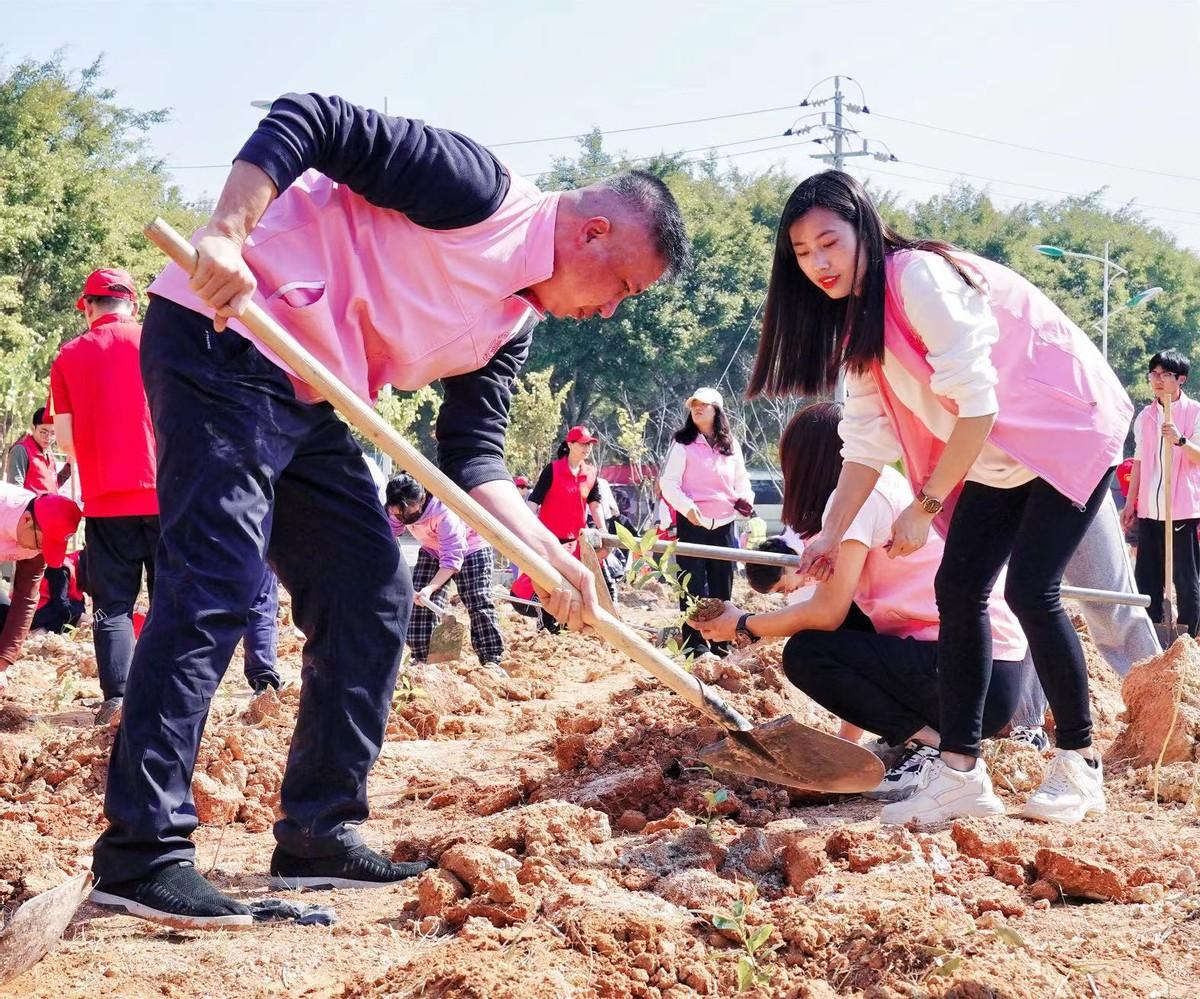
[76, 186]
[534, 422]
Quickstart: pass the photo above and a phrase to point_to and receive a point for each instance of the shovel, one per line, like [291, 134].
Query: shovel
[38, 924]
[1169, 630]
[449, 635]
[784, 752]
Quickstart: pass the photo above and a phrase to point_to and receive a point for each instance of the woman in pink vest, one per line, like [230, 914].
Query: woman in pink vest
[1005, 416]
[704, 479]
[864, 642]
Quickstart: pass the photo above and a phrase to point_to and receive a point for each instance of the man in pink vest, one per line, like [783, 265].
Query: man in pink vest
[1158, 441]
[399, 254]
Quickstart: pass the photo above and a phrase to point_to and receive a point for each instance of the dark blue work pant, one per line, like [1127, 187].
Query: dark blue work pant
[262, 633]
[247, 473]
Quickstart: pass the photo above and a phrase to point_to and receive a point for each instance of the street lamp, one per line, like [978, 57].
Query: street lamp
[1058, 253]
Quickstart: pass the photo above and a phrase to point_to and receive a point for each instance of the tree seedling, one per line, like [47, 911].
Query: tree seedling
[712, 801]
[406, 693]
[751, 963]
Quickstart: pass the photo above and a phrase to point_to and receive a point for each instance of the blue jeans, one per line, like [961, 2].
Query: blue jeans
[246, 472]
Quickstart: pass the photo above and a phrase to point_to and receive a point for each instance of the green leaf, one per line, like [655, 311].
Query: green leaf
[745, 974]
[946, 967]
[721, 796]
[738, 909]
[722, 922]
[628, 538]
[760, 937]
[1010, 936]
[648, 539]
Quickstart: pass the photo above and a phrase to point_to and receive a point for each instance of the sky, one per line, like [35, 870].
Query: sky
[1070, 95]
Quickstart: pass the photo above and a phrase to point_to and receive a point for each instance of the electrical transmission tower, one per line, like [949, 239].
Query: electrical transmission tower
[840, 135]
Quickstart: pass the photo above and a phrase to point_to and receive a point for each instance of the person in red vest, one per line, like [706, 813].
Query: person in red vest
[566, 489]
[30, 464]
[103, 423]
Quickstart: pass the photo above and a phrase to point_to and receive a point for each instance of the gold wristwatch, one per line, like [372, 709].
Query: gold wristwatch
[930, 505]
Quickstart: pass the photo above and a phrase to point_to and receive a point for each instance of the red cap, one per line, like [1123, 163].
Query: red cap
[57, 519]
[108, 282]
[520, 481]
[580, 435]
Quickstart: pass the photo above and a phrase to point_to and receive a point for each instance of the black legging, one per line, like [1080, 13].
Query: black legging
[887, 685]
[709, 577]
[1036, 529]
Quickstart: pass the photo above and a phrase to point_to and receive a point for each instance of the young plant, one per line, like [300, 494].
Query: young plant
[642, 566]
[712, 801]
[751, 963]
[405, 693]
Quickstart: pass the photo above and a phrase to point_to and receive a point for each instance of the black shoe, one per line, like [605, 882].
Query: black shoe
[176, 895]
[262, 686]
[360, 867]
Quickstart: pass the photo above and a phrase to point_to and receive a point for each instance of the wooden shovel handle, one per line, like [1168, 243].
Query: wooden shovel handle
[377, 430]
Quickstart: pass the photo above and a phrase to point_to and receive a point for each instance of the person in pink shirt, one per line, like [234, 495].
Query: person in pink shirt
[704, 478]
[449, 550]
[398, 254]
[1009, 424]
[863, 643]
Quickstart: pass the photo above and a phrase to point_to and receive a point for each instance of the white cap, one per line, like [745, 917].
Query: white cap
[707, 395]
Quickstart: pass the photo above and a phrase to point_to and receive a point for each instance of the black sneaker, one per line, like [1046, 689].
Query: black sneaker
[176, 895]
[360, 867]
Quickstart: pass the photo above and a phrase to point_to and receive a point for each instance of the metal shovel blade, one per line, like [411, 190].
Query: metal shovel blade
[38, 924]
[804, 758]
[448, 636]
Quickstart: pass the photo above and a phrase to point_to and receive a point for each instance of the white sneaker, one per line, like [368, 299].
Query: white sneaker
[1070, 790]
[943, 793]
[904, 776]
[1031, 735]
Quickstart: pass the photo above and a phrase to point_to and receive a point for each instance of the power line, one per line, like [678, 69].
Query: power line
[1031, 149]
[640, 128]
[723, 156]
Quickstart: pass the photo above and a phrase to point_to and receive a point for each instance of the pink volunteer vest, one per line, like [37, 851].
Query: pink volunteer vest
[13, 501]
[709, 478]
[1185, 477]
[380, 300]
[1063, 413]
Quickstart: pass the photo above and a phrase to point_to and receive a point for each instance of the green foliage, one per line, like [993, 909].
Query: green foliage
[534, 421]
[712, 802]
[751, 962]
[76, 186]
[406, 692]
[403, 409]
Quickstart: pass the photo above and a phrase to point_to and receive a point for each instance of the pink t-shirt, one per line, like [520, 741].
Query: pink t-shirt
[897, 594]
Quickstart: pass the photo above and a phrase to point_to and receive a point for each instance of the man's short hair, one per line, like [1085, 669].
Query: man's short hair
[1174, 361]
[39, 416]
[647, 195]
[106, 303]
[762, 578]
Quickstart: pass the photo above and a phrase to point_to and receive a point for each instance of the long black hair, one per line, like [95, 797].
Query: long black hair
[808, 336]
[722, 439]
[810, 458]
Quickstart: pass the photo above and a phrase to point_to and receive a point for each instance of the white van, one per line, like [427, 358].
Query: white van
[768, 497]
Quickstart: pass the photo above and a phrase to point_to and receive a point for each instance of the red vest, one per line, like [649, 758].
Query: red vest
[42, 476]
[564, 509]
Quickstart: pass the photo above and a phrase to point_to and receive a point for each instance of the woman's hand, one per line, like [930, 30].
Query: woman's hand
[910, 531]
[723, 628]
[819, 559]
[1129, 514]
[694, 516]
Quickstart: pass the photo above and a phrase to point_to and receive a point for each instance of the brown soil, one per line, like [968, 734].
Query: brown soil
[582, 850]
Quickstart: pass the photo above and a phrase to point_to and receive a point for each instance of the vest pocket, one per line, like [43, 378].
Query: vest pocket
[1086, 405]
[299, 294]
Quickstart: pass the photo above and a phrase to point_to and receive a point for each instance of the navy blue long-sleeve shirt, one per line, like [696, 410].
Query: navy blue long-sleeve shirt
[438, 179]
